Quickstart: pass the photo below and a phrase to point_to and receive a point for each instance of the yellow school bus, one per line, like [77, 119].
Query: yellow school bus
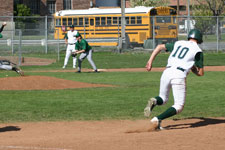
[99, 24]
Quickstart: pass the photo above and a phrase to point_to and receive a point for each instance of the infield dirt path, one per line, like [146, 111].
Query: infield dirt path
[190, 134]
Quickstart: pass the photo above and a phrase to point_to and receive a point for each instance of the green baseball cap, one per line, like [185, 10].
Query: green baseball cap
[77, 35]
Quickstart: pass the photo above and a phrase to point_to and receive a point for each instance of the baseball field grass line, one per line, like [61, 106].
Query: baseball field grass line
[205, 98]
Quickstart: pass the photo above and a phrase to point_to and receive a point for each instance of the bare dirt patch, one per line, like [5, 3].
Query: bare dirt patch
[194, 134]
[42, 83]
[29, 61]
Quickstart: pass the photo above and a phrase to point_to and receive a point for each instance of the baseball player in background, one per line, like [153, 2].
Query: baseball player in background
[6, 64]
[70, 40]
[85, 50]
[185, 56]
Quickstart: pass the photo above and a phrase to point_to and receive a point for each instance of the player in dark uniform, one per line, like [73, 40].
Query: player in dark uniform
[85, 50]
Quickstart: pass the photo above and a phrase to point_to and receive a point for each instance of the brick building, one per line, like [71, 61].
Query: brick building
[44, 7]
[49, 7]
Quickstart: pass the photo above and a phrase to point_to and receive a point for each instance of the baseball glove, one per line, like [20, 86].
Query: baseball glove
[74, 55]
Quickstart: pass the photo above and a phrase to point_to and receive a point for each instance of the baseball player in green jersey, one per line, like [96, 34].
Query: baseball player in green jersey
[85, 50]
[185, 56]
[6, 64]
[70, 40]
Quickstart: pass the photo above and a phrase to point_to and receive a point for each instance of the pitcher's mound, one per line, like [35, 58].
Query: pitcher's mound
[42, 83]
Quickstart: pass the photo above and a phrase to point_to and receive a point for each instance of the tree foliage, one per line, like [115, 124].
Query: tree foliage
[22, 10]
[153, 3]
[203, 12]
[209, 7]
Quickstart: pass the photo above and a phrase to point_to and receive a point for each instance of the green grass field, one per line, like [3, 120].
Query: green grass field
[205, 95]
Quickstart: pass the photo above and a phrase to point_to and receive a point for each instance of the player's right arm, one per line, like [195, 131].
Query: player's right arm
[66, 38]
[156, 51]
[198, 68]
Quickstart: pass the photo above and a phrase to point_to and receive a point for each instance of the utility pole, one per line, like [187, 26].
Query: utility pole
[188, 22]
[123, 34]
[178, 7]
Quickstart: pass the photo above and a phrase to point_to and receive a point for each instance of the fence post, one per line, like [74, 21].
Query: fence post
[13, 33]
[58, 45]
[217, 34]
[153, 32]
[46, 34]
[19, 50]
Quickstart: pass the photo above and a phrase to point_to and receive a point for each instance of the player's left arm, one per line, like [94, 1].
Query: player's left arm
[3, 25]
[198, 68]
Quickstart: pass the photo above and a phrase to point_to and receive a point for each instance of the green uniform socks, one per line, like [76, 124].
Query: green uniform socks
[168, 113]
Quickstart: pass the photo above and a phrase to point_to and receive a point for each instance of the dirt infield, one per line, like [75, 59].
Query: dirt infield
[190, 134]
[42, 83]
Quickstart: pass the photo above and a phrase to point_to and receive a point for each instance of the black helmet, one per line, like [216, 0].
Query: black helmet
[72, 26]
[195, 34]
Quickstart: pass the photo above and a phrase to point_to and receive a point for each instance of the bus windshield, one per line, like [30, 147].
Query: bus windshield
[163, 19]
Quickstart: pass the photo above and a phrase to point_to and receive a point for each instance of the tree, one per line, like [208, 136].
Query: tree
[22, 19]
[217, 7]
[22, 10]
[206, 8]
[153, 3]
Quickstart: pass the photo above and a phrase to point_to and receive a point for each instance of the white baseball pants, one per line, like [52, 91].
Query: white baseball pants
[178, 88]
[5, 67]
[69, 50]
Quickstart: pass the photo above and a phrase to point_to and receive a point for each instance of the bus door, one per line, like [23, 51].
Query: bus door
[91, 27]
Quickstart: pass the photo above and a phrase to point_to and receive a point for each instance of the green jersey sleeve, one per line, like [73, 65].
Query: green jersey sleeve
[169, 47]
[1, 35]
[65, 36]
[199, 60]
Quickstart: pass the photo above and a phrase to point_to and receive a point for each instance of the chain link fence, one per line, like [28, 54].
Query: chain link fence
[34, 36]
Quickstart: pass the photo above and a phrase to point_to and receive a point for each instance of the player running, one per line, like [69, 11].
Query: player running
[70, 40]
[6, 64]
[185, 56]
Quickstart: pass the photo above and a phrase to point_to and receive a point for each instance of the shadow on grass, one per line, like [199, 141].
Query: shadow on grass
[203, 122]
[9, 128]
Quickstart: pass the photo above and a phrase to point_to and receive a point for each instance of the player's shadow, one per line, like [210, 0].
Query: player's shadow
[203, 122]
[9, 128]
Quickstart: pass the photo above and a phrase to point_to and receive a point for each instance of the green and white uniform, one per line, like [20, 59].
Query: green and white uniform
[83, 45]
[71, 39]
[184, 54]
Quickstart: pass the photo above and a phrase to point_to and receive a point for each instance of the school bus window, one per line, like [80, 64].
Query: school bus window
[58, 22]
[132, 20]
[75, 21]
[115, 20]
[166, 19]
[81, 23]
[139, 20]
[127, 20]
[109, 20]
[91, 22]
[69, 21]
[86, 21]
[102, 20]
[97, 21]
[64, 21]
[119, 20]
